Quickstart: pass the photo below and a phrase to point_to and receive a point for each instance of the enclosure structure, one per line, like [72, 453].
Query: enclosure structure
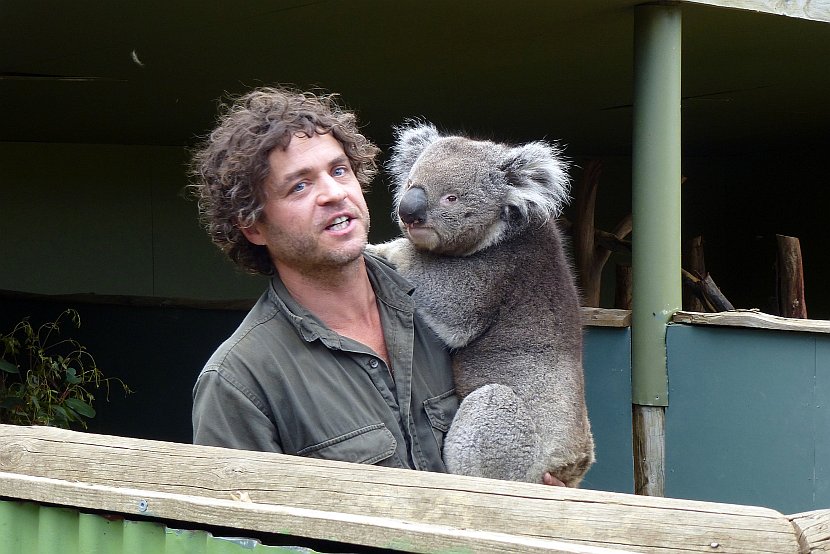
[290, 499]
[101, 173]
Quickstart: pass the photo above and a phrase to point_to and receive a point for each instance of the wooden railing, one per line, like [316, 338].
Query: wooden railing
[367, 505]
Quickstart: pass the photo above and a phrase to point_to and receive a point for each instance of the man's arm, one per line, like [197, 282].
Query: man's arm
[225, 416]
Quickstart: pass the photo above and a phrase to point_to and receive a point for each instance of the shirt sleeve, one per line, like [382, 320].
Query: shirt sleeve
[223, 415]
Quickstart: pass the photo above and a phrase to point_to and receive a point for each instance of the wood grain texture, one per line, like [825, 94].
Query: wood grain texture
[753, 319]
[649, 437]
[815, 527]
[603, 317]
[815, 10]
[791, 300]
[368, 505]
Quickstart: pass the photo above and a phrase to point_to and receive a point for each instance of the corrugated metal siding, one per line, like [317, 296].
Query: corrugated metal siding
[30, 528]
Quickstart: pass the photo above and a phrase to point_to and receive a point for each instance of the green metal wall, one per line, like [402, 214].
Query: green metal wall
[748, 419]
[607, 364]
[30, 528]
[159, 351]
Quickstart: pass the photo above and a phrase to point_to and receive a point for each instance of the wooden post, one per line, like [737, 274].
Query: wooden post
[622, 290]
[656, 180]
[648, 424]
[591, 246]
[696, 265]
[791, 302]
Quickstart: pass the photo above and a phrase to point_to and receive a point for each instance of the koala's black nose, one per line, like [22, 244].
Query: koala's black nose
[413, 206]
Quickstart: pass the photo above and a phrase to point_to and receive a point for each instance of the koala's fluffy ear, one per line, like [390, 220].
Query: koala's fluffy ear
[411, 139]
[538, 174]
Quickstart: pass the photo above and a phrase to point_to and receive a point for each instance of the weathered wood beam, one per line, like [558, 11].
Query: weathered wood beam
[753, 319]
[815, 528]
[367, 505]
[605, 317]
[649, 440]
[383, 532]
[814, 10]
[703, 287]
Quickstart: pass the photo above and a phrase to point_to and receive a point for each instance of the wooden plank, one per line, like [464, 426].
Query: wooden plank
[752, 319]
[399, 500]
[815, 527]
[815, 10]
[603, 317]
[381, 532]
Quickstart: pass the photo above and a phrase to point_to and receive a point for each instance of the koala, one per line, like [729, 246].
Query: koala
[482, 247]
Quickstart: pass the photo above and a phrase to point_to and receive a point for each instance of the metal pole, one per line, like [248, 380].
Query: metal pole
[656, 175]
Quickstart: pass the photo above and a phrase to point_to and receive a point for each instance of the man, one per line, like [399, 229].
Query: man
[333, 361]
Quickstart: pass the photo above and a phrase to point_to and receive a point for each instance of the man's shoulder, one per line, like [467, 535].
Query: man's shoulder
[386, 279]
[251, 336]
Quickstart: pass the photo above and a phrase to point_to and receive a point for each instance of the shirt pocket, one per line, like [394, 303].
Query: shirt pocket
[440, 412]
[367, 445]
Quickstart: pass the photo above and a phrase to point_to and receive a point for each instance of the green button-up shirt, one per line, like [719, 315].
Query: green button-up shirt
[284, 382]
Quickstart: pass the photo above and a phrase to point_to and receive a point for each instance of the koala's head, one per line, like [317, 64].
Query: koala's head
[456, 196]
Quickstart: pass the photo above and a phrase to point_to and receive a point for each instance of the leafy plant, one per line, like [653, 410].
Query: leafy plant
[46, 379]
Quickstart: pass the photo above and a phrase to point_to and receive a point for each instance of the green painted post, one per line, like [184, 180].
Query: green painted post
[655, 197]
[656, 174]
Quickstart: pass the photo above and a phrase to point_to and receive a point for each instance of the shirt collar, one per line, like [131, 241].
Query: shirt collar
[390, 288]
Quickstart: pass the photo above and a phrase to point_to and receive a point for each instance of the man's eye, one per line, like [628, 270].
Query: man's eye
[340, 171]
[299, 187]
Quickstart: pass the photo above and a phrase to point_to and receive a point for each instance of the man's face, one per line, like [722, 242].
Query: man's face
[315, 217]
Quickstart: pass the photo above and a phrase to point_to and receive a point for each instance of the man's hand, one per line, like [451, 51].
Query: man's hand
[549, 479]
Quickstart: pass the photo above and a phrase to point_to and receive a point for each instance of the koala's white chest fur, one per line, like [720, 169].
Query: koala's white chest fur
[509, 310]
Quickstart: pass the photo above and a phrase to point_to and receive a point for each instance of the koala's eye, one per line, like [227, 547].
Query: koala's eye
[451, 198]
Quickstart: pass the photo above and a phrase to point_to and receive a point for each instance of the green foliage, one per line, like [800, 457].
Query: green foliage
[47, 380]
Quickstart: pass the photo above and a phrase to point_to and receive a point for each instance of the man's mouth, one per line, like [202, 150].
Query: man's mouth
[339, 223]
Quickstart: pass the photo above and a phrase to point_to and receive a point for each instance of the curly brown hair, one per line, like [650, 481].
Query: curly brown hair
[231, 165]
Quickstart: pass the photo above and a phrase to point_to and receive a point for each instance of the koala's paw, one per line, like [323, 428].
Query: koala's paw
[492, 436]
[393, 251]
[572, 472]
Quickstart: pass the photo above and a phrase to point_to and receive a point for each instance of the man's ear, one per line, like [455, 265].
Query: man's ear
[254, 234]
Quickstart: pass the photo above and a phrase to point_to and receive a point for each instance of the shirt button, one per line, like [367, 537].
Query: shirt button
[373, 363]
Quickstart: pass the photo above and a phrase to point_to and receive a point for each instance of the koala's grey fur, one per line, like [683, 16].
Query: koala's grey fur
[493, 281]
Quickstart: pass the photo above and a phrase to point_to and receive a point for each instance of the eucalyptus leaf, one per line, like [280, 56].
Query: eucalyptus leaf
[64, 416]
[50, 385]
[80, 407]
[72, 376]
[9, 367]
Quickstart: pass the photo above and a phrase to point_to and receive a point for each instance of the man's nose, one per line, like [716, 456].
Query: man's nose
[331, 190]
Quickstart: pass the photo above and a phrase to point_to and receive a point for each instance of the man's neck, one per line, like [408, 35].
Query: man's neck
[344, 300]
[339, 296]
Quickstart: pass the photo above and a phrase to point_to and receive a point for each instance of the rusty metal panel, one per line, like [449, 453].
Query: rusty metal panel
[31, 528]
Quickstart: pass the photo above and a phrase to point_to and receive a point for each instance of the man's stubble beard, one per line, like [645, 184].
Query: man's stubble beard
[296, 252]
